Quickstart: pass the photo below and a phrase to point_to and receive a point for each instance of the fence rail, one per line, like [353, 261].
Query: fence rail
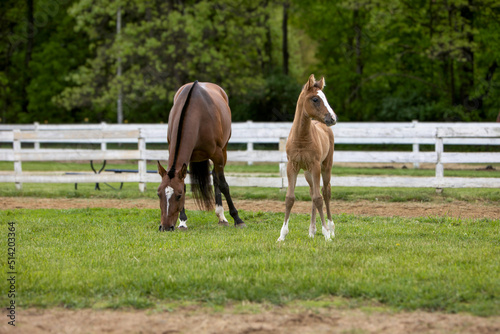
[250, 133]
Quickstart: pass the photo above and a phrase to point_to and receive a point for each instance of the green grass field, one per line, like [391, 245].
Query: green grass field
[115, 258]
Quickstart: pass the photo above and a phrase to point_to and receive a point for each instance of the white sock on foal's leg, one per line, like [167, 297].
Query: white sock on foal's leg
[331, 228]
[312, 229]
[284, 231]
[326, 233]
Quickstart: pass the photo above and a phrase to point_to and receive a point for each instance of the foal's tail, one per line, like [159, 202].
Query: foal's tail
[200, 184]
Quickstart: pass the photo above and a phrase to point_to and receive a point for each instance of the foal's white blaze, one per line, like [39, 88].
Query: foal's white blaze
[169, 191]
[327, 105]
[284, 231]
[219, 211]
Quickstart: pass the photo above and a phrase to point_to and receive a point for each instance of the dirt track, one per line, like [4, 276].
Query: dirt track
[268, 319]
[384, 209]
[273, 320]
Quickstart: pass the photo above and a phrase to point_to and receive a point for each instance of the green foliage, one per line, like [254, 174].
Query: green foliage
[116, 258]
[383, 60]
[162, 46]
[397, 61]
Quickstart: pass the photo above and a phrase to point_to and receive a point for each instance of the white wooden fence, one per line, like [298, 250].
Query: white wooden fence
[249, 133]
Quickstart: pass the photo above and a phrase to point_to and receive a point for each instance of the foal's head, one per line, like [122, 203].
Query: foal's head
[314, 102]
[172, 192]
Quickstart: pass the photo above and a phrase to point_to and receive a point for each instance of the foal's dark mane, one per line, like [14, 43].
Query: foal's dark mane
[171, 172]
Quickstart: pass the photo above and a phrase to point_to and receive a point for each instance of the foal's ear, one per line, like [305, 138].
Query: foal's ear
[183, 172]
[310, 83]
[161, 170]
[321, 83]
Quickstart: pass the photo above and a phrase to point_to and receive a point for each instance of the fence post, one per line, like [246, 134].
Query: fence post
[104, 144]
[416, 147]
[282, 148]
[249, 146]
[18, 169]
[37, 143]
[142, 164]
[439, 164]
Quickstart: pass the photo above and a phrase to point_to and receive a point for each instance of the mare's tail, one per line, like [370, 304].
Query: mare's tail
[200, 184]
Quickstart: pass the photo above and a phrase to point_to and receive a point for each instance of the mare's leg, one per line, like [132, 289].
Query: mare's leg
[183, 220]
[291, 174]
[219, 160]
[219, 209]
[318, 200]
[312, 226]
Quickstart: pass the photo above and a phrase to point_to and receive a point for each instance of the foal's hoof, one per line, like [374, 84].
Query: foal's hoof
[182, 228]
[240, 225]
[223, 223]
[161, 228]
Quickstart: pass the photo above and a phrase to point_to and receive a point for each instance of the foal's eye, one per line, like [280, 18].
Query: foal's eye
[178, 197]
[315, 99]
[158, 194]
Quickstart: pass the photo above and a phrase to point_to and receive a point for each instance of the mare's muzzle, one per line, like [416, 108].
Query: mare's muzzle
[329, 120]
[168, 229]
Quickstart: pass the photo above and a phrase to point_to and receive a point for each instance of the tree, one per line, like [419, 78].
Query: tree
[412, 60]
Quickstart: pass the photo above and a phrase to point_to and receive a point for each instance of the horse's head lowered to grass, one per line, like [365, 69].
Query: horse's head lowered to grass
[314, 102]
[172, 192]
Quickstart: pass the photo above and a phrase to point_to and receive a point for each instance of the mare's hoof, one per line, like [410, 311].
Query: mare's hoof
[182, 228]
[168, 229]
[240, 225]
[223, 223]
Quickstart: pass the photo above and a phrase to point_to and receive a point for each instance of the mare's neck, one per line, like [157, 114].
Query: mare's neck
[301, 127]
[183, 156]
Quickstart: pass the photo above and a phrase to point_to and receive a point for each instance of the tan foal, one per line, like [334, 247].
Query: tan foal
[310, 147]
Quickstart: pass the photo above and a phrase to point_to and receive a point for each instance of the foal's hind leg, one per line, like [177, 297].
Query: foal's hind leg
[290, 199]
[312, 226]
[318, 200]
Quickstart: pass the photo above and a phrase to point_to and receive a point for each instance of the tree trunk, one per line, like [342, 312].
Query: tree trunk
[359, 61]
[29, 50]
[451, 67]
[285, 37]
[268, 46]
[467, 67]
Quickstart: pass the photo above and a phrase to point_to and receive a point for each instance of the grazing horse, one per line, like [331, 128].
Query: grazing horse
[310, 147]
[199, 128]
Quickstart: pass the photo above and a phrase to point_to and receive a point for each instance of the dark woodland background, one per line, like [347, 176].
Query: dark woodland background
[68, 61]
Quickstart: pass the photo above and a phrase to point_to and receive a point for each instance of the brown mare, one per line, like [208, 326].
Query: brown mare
[199, 128]
[310, 147]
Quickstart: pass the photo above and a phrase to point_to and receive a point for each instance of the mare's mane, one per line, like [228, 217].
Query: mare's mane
[171, 172]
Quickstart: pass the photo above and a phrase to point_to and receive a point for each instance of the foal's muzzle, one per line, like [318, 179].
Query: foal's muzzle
[329, 120]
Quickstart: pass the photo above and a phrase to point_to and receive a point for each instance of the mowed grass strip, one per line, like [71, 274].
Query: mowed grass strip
[114, 258]
[131, 190]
